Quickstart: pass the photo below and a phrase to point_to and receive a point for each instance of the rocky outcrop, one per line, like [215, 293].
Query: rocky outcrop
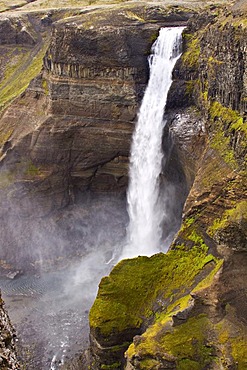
[153, 287]
[16, 31]
[8, 357]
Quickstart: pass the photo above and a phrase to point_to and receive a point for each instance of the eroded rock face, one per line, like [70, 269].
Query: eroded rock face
[8, 358]
[75, 121]
[70, 131]
[209, 330]
[16, 31]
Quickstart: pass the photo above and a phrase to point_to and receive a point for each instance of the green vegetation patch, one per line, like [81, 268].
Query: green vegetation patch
[22, 170]
[19, 76]
[232, 342]
[235, 214]
[226, 122]
[5, 135]
[126, 298]
[114, 366]
[185, 345]
[192, 54]
[228, 116]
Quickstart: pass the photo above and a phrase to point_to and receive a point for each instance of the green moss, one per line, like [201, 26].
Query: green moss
[189, 221]
[5, 135]
[32, 170]
[183, 344]
[228, 116]
[11, 61]
[45, 87]
[191, 56]
[197, 239]
[134, 16]
[213, 61]
[225, 122]
[149, 363]
[186, 364]
[114, 366]
[235, 214]
[21, 170]
[191, 235]
[205, 283]
[233, 343]
[221, 143]
[238, 351]
[127, 296]
[21, 81]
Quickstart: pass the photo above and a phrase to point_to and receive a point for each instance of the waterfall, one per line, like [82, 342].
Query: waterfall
[144, 233]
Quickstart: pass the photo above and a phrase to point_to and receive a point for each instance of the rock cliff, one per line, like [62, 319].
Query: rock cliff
[8, 358]
[70, 131]
[182, 325]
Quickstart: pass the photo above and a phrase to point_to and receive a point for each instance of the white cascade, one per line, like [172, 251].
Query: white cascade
[144, 233]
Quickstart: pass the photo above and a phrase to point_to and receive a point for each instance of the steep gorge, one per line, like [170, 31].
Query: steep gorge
[91, 84]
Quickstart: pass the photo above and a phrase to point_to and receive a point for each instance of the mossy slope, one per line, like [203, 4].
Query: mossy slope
[140, 290]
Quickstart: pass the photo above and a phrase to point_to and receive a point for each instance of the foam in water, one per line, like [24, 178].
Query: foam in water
[145, 210]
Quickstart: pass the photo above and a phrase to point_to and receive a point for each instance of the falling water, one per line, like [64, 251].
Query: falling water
[145, 210]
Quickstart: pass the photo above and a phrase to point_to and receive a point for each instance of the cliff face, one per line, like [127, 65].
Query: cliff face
[193, 326]
[70, 131]
[85, 102]
[8, 358]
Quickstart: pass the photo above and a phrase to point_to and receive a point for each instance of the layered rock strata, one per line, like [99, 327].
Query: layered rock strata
[85, 102]
[201, 326]
[70, 131]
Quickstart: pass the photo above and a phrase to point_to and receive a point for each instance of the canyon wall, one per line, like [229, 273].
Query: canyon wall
[70, 130]
[188, 308]
[76, 119]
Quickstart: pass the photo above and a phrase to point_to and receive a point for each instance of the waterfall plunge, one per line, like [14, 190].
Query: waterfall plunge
[145, 209]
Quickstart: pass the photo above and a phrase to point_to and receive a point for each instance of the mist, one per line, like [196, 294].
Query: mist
[51, 263]
[52, 271]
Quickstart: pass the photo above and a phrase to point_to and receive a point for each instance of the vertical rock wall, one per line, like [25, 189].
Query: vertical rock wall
[8, 358]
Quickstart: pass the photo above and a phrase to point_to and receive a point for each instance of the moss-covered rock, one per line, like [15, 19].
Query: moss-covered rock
[138, 291]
